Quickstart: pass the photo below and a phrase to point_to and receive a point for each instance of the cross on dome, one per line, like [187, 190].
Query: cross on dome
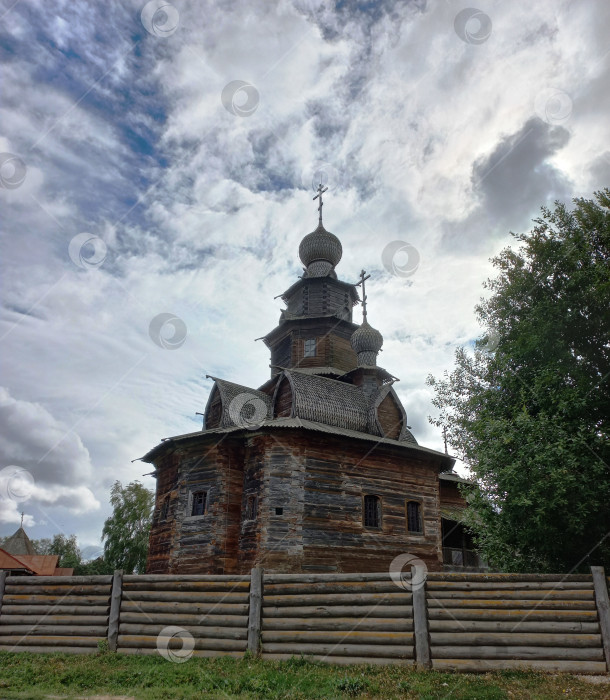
[321, 203]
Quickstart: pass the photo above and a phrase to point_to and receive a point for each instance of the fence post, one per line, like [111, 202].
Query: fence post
[115, 609]
[603, 608]
[420, 617]
[3, 575]
[255, 611]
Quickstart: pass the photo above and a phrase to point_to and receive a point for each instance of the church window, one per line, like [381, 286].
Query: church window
[279, 511]
[164, 509]
[310, 348]
[414, 521]
[199, 502]
[372, 511]
[251, 507]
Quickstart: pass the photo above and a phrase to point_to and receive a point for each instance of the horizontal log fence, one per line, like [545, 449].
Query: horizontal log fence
[458, 622]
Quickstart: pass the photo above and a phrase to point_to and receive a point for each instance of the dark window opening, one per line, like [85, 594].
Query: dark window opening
[251, 507]
[372, 511]
[164, 509]
[310, 348]
[199, 503]
[279, 511]
[414, 521]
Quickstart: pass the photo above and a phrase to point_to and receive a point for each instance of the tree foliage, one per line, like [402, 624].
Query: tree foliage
[126, 531]
[528, 409]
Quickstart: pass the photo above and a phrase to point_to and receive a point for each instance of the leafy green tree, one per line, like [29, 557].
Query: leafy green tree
[95, 567]
[67, 549]
[126, 531]
[43, 546]
[528, 408]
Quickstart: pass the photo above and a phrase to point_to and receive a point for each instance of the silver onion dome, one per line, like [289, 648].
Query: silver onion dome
[320, 246]
[366, 339]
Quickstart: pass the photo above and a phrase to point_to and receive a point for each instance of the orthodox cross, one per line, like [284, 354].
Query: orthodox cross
[363, 277]
[22, 514]
[321, 204]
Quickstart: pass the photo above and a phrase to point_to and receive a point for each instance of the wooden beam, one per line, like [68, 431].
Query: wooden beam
[420, 620]
[115, 609]
[2, 583]
[255, 612]
[603, 608]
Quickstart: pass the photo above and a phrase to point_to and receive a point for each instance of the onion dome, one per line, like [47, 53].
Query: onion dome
[366, 342]
[320, 251]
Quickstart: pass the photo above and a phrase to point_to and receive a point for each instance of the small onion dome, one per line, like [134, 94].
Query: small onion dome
[366, 339]
[320, 245]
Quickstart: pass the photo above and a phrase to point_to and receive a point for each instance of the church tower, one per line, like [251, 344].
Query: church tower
[317, 469]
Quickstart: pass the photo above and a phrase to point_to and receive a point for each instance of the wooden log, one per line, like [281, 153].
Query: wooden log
[602, 603]
[486, 665]
[344, 660]
[363, 624]
[255, 612]
[53, 630]
[398, 598]
[40, 640]
[162, 578]
[202, 653]
[61, 620]
[435, 586]
[322, 578]
[420, 619]
[197, 631]
[473, 577]
[532, 615]
[52, 580]
[185, 620]
[59, 590]
[518, 652]
[49, 649]
[506, 604]
[115, 609]
[512, 626]
[27, 600]
[184, 608]
[40, 610]
[141, 641]
[2, 586]
[321, 611]
[361, 650]
[331, 587]
[511, 595]
[189, 586]
[338, 637]
[515, 638]
[170, 597]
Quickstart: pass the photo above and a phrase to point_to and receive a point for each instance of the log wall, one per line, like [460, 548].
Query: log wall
[455, 622]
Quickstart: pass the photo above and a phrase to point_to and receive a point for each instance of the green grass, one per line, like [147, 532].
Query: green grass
[24, 675]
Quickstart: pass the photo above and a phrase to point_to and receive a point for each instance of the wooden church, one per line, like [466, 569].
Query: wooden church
[317, 469]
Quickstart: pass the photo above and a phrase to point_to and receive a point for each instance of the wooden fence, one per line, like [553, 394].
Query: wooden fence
[460, 622]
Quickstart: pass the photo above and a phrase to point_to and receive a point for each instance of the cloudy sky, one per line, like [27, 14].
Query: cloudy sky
[159, 159]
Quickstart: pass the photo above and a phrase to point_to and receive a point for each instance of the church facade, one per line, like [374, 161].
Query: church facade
[317, 469]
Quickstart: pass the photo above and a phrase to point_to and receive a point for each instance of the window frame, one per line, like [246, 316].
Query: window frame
[191, 503]
[163, 510]
[251, 513]
[306, 353]
[379, 501]
[420, 513]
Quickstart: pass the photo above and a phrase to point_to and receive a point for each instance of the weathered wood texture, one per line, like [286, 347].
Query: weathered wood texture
[603, 608]
[475, 623]
[255, 612]
[3, 575]
[484, 621]
[115, 609]
[50, 613]
[330, 616]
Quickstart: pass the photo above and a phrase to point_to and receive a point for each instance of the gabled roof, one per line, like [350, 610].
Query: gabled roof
[324, 400]
[19, 543]
[241, 404]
